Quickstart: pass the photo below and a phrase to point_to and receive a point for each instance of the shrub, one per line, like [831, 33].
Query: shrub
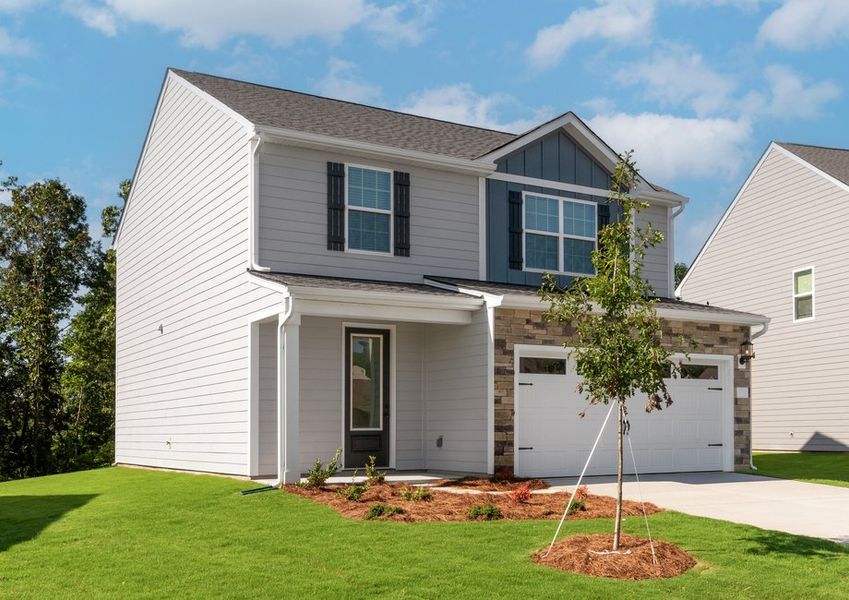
[577, 505]
[419, 494]
[319, 474]
[581, 493]
[353, 492]
[487, 512]
[373, 476]
[379, 509]
[521, 494]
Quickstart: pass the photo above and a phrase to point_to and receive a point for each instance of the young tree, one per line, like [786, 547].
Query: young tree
[617, 345]
[88, 382]
[680, 271]
[44, 250]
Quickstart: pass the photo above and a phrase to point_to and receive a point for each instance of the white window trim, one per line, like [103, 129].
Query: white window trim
[349, 369]
[812, 294]
[559, 234]
[390, 212]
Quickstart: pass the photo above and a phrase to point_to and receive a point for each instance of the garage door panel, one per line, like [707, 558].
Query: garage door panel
[674, 439]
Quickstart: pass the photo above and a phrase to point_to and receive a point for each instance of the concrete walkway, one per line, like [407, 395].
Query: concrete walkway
[792, 506]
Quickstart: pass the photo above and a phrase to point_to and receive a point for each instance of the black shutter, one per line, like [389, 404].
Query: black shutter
[514, 217]
[401, 182]
[335, 206]
[603, 215]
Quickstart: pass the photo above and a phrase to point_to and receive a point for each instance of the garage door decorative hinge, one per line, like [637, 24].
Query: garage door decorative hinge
[714, 445]
[526, 447]
[715, 389]
[525, 383]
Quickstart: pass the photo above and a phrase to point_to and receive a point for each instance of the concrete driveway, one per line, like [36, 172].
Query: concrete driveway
[792, 506]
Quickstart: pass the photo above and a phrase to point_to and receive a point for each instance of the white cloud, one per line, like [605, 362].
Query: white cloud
[677, 75]
[694, 228]
[5, 197]
[208, 24]
[789, 96]
[668, 147]
[622, 21]
[461, 104]
[97, 17]
[13, 46]
[11, 6]
[800, 24]
[739, 4]
[393, 29]
[344, 82]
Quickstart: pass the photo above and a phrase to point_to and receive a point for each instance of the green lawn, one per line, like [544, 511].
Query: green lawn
[831, 468]
[131, 533]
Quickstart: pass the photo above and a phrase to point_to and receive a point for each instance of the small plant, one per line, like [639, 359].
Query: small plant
[487, 512]
[503, 474]
[319, 474]
[581, 493]
[576, 506]
[379, 509]
[353, 492]
[419, 494]
[521, 494]
[373, 476]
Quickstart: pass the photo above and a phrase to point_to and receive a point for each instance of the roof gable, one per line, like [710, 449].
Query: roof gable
[831, 161]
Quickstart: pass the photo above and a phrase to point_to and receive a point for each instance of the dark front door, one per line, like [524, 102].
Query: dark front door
[366, 396]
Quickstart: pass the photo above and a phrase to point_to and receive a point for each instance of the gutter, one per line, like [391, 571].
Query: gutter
[253, 217]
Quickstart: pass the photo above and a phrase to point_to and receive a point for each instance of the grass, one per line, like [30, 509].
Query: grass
[131, 533]
[831, 468]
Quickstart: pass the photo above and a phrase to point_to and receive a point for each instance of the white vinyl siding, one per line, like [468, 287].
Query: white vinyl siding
[293, 220]
[267, 421]
[182, 398]
[456, 407]
[657, 262]
[788, 218]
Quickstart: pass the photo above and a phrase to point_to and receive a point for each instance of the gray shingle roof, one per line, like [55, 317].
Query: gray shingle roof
[275, 107]
[345, 283]
[834, 161]
[525, 290]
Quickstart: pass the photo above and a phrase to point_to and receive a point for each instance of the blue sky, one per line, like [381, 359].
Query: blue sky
[697, 87]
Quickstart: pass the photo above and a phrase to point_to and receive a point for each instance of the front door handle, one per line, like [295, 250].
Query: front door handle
[714, 445]
[526, 447]
[525, 383]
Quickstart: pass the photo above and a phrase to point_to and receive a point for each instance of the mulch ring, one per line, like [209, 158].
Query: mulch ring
[452, 506]
[590, 555]
[493, 485]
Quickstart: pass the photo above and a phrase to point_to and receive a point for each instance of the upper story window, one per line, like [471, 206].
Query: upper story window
[560, 234]
[803, 294]
[369, 209]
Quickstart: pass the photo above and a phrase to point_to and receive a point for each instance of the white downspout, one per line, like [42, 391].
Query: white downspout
[755, 336]
[281, 394]
[674, 214]
[253, 217]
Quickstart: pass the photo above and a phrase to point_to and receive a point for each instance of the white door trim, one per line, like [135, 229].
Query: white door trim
[726, 379]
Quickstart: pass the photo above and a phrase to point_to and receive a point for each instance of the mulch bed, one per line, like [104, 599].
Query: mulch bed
[580, 554]
[493, 485]
[449, 506]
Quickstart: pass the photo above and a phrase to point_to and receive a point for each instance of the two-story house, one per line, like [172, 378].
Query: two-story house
[298, 274]
[778, 250]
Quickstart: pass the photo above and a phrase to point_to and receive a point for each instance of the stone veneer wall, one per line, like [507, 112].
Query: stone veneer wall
[514, 326]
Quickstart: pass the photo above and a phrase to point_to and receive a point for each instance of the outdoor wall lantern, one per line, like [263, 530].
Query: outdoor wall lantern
[747, 352]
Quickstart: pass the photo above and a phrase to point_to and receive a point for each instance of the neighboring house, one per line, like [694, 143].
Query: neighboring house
[298, 274]
[781, 250]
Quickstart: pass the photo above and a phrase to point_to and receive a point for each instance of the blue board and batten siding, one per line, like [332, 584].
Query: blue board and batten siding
[555, 157]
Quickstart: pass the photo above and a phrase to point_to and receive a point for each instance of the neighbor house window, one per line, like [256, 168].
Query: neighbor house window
[369, 204]
[803, 294]
[560, 234]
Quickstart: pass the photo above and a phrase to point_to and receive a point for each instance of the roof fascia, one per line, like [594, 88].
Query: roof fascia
[291, 137]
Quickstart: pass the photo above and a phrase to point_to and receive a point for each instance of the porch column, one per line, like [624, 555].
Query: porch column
[289, 402]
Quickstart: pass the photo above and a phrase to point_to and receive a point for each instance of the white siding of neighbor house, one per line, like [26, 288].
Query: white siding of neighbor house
[788, 218]
[321, 402]
[293, 220]
[182, 398]
[656, 264]
[267, 400]
[456, 396]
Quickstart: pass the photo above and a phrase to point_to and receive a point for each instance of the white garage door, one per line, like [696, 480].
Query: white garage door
[553, 440]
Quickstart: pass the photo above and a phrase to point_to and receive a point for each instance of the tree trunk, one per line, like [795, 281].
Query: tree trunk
[617, 527]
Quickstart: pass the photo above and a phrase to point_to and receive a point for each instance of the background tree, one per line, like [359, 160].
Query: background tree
[618, 349]
[44, 250]
[680, 270]
[88, 382]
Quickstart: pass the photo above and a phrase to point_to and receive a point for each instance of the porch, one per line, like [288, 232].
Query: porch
[402, 374]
